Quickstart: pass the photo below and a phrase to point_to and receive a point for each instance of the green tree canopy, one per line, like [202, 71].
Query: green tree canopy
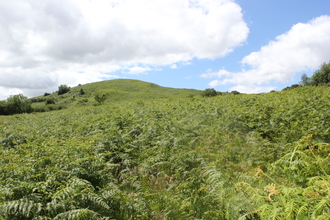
[18, 104]
[63, 89]
[209, 92]
[305, 80]
[322, 75]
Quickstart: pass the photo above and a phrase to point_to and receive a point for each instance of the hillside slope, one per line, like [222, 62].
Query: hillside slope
[227, 157]
[118, 90]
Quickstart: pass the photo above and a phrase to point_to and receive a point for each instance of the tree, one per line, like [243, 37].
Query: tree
[3, 108]
[305, 80]
[63, 89]
[81, 92]
[321, 76]
[209, 93]
[18, 104]
[99, 97]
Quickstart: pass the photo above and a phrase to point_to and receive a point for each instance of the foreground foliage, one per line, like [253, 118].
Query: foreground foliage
[227, 157]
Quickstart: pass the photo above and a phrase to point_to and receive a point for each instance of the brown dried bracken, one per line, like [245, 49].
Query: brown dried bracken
[271, 189]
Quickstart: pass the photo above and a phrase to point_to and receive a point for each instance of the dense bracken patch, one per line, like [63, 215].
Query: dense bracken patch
[232, 156]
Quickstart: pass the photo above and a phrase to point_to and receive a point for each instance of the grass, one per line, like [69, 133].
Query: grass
[118, 90]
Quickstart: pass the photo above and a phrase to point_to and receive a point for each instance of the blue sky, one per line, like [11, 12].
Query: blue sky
[266, 20]
[251, 46]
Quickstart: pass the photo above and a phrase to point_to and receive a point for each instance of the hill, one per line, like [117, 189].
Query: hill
[241, 156]
[117, 90]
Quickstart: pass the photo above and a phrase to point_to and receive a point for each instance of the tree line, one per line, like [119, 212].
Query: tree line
[321, 77]
[17, 104]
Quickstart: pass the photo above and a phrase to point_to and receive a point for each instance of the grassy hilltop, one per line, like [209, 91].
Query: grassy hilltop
[150, 152]
[117, 90]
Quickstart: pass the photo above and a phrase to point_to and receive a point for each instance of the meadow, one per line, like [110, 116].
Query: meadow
[150, 152]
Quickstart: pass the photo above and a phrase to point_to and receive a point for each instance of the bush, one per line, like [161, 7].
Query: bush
[46, 94]
[99, 97]
[62, 89]
[50, 101]
[291, 87]
[209, 93]
[18, 104]
[81, 92]
[235, 92]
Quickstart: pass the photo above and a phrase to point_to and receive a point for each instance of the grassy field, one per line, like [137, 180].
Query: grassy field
[151, 152]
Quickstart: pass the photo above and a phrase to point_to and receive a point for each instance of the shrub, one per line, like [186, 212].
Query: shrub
[235, 92]
[50, 101]
[18, 104]
[62, 89]
[99, 97]
[291, 87]
[81, 92]
[209, 93]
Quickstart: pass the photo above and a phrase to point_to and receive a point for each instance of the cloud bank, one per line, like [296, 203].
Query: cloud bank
[48, 43]
[304, 47]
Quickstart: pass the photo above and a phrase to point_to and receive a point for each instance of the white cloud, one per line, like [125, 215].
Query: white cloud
[304, 47]
[41, 39]
[218, 74]
[137, 70]
[174, 66]
[252, 88]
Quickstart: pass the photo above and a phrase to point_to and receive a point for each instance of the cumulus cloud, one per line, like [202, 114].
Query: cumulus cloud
[137, 70]
[42, 39]
[304, 47]
[217, 74]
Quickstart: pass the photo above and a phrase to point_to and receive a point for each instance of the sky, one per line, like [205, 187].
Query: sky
[251, 46]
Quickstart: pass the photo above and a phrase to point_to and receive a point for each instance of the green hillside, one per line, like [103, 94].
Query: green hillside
[158, 153]
[117, 90]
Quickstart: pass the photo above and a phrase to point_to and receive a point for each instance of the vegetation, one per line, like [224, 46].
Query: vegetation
[158, 153]
[50, 101]
[99, 97]
[81, 92]
[15, 104]
[235, 92]
[320, 77]
[62, 89]
[209, 93]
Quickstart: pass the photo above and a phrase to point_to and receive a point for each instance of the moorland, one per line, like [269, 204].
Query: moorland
[126, 149]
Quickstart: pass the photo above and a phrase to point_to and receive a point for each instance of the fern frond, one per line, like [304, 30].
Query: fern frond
[94, 200]
[80, 214]
[23, 207]
[322, 207]
[323, 217]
